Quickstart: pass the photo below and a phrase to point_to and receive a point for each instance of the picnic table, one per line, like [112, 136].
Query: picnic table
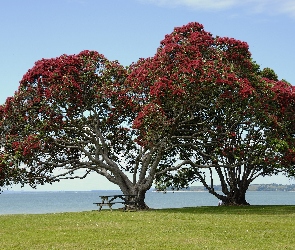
[129, 201]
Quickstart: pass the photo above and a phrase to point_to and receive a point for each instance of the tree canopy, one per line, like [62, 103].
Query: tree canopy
[226, 114]
[199, 103]
[73, 115]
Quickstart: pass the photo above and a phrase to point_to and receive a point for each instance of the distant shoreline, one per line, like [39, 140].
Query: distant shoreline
[179, 191]
[253, 187]
[189, 191]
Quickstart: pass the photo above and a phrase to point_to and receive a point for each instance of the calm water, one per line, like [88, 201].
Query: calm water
[53, 202]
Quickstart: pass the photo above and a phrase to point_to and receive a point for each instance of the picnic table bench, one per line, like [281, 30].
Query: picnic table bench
[129, 201]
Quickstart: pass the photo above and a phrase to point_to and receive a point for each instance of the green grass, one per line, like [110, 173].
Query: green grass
[253, 227]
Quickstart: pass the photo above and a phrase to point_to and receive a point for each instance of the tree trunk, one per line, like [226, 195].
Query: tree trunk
[140, 196]
[236, 197]
[141, 200]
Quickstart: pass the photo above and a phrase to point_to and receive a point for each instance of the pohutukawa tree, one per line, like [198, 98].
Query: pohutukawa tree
[218, 106]
[10, 173]
[199, 103]
[72, 116]
[284, 120]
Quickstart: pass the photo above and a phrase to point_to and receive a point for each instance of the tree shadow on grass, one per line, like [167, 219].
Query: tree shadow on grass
[262, 209]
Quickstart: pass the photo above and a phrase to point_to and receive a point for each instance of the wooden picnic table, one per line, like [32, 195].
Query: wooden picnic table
[129, 201]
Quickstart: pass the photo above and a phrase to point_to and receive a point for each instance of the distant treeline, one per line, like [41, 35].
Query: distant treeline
[252, 187]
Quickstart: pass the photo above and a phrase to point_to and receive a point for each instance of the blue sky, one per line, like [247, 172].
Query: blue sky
[126, 30]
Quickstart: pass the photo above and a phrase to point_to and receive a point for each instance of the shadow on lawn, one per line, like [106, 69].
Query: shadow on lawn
[263, 210]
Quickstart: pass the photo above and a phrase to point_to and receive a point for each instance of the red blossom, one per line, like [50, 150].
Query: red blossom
[245, 88]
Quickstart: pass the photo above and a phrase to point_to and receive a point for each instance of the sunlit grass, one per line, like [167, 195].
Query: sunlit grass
[253, 227]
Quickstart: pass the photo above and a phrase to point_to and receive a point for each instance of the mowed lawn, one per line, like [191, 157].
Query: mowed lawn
[252, 227]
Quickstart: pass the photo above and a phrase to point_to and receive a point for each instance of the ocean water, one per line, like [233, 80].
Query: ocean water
[68, 201]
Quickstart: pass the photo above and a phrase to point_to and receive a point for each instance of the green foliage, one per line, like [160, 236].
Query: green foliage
[270, 74]
[280, 145]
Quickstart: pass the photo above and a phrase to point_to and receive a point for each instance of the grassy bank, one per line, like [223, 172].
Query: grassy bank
[254, 227]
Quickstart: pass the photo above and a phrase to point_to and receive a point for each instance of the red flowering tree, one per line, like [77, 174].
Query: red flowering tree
[71, 116]
[10, 173]
[217, 109]
[284, 118]
[200, 102]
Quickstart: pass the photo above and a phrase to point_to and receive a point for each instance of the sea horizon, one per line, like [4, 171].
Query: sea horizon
[40, 202]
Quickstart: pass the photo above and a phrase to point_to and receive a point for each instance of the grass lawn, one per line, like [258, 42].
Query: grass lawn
[253, 227]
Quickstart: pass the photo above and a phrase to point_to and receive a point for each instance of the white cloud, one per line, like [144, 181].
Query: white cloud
[288, 6]
[271, 7]
[196, 4]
